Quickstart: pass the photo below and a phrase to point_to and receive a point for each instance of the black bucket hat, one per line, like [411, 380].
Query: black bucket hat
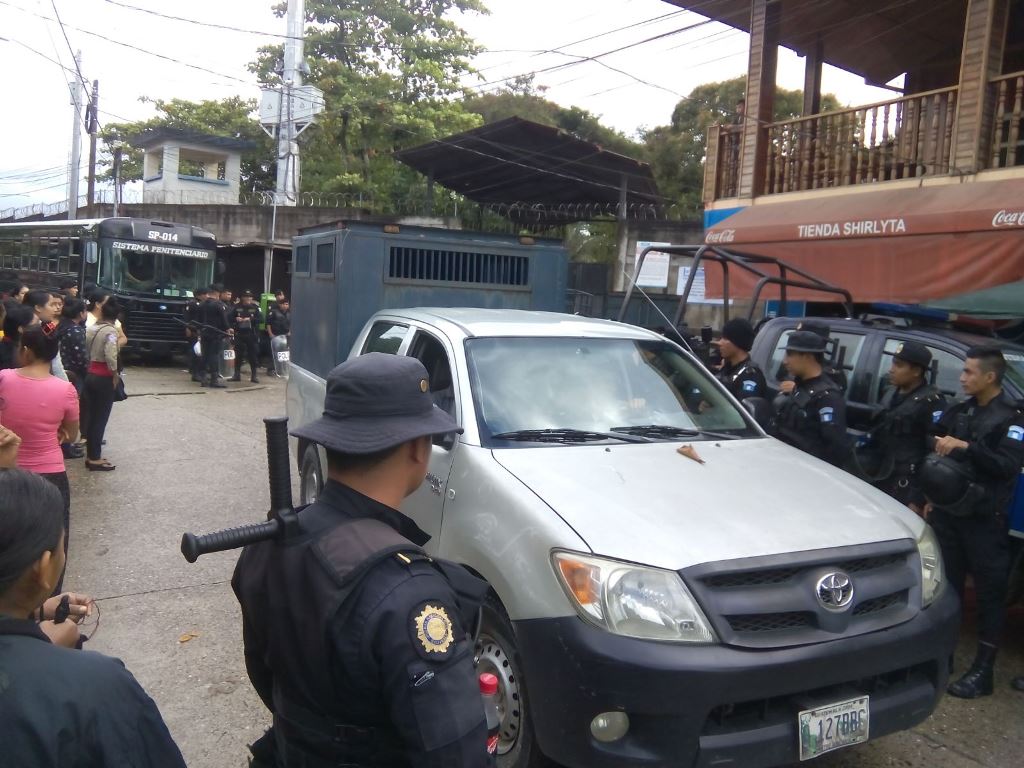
[806, 341]
[913, 353]
[375, 402]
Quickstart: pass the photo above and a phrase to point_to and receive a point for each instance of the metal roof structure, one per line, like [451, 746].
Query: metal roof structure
[878, 39]
[532, 171]
[156, 136]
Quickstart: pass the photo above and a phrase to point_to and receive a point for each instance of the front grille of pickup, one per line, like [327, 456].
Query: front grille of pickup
[770, 622]
[773, 602]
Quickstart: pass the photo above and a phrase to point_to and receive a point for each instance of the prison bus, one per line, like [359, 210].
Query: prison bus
[153, 268]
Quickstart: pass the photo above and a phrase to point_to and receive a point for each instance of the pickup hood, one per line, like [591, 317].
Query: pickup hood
[645, 503]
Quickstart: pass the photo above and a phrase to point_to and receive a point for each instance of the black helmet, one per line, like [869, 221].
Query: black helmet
[872, 463]
[947, 483]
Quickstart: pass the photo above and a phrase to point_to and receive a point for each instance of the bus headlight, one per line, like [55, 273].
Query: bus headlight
[632, 600]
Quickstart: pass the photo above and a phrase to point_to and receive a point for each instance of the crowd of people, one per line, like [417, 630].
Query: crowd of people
[59, 377]
[956, 464]
[217, 320]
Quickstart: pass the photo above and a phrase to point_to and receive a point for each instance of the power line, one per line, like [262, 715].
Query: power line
[595, 57]
[197, 22]
[85, 83]
[126, 45]
[588, 39]
[39, 53]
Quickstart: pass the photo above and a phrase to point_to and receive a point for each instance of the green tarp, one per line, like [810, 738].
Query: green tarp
[1002, 301]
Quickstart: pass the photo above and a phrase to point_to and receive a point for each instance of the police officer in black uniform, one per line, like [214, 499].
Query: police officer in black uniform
[835, 373]
[740, 375]
[245, 321]
[279, 323]
[215, 328]
[360, 644]
[811, 417]
[968, 483]
[898, 438]
[191, 317]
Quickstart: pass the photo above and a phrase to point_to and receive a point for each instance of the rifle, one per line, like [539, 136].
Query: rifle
[282, 520]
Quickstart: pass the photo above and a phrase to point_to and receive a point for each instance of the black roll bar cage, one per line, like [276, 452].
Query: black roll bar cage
[748, 262]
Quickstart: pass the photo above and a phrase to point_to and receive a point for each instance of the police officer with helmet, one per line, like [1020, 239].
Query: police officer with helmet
[968, 483]
[812, 416]
[213, 314]
[358, 642]
[898, 438]
[740, 375]
[192, 332]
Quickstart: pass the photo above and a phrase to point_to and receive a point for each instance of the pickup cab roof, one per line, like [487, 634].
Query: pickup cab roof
[470, 322]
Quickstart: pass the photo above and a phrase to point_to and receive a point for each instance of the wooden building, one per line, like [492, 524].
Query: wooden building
[914, 198]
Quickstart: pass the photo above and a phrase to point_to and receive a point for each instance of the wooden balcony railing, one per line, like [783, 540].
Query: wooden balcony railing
[1007, 93]
[900, 139]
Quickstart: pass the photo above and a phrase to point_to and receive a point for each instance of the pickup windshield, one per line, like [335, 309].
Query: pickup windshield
[585, 390]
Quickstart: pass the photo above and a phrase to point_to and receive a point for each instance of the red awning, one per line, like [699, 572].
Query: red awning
[905, 245]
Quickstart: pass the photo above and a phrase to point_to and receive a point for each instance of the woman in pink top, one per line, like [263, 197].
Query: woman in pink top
[42, 410]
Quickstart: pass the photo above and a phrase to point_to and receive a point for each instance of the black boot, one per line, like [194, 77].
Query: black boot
[254, 379]
[977, 681]
[236, 377]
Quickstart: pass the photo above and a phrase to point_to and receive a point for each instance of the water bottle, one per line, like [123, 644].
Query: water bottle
[489, 691]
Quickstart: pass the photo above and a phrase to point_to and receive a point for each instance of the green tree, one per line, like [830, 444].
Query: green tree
[520, 99]
[232, 117]
[676, 151]
[391, 73]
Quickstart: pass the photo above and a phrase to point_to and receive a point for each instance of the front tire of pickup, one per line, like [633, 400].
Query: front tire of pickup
[497, 653]
[311, 478]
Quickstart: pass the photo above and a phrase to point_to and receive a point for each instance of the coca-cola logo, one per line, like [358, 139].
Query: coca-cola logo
[723, 236]
[1008, 219]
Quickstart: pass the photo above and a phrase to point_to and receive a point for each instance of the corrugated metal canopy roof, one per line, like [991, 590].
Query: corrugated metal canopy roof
[878, 39]
[517, 162]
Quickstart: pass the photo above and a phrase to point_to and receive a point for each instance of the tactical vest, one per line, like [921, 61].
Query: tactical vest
[967, 424]
[731, 378]
[793, 421]
[899, 432]
[317, 722]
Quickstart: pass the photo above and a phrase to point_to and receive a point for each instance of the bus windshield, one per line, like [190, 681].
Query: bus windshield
[162, 270]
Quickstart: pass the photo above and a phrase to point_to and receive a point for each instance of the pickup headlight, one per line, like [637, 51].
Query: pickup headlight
[632, 600]
[931, 566]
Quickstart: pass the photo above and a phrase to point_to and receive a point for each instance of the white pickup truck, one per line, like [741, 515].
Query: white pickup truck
[738, 603]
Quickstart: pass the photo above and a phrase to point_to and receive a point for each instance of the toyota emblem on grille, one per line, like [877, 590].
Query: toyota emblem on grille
[835, 591]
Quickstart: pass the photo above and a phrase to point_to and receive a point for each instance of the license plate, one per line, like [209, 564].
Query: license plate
[833, 726]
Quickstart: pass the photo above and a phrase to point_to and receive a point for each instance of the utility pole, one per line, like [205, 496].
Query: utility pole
[117, 176]
[291, 79]
[76, 139]
[94, 126]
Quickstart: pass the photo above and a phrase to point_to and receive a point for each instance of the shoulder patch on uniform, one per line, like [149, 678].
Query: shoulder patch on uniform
[1016, 433]
[749, 386]
[936, 415]
[827, 414]
[433, 630]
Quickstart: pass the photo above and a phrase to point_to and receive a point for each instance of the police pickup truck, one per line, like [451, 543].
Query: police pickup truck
[669, 586]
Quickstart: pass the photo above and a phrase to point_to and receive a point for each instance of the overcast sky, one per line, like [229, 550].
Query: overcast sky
[36, 129]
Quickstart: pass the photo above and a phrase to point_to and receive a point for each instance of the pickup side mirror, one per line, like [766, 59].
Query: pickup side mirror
[760, 409]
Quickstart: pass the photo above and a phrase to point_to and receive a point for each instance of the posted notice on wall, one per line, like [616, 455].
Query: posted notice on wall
[698, 291]
[654, 272]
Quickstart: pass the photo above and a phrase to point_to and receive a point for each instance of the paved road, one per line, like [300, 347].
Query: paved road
[192, 459]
